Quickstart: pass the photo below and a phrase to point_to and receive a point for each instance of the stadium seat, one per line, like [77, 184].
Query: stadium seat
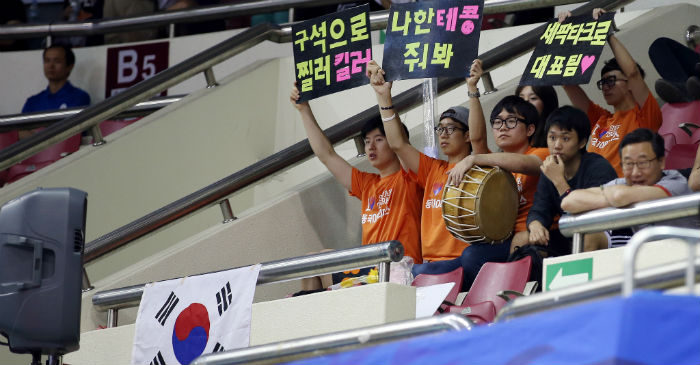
[455, 276]
[681, 124]
[43, 158]
[483, 301]
[6, 139]
[681, 156]
[110, 126]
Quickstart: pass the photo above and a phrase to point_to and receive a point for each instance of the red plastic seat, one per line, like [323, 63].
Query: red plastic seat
[482, 303]
[681, 156]
[681, 124]
[7, 139]
[43, 158]
[455, 276]
[110, 126]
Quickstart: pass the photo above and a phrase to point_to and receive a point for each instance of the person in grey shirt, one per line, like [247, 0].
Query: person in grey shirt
[642, 156]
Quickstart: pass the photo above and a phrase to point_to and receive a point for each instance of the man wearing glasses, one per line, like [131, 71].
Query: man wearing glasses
[623, 87]
[441, 251]
[642, 155]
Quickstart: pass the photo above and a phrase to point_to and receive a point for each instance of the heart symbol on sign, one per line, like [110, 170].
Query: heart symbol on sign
[586, 63]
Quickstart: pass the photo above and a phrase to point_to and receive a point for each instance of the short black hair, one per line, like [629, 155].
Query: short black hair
[375, 123]
[640, 135]
[571, 119]
[612, 65]
[550, 101]
[68, 51]
[517, 105]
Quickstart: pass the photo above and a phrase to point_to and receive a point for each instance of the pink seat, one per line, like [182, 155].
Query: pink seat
[6, 139]
[110, 126]
[43, 158]
[681, 124]
[681, 156]
[482, 303]
[454, 276]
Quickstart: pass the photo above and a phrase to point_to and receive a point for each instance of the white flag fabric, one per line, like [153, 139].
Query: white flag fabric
[180, 319]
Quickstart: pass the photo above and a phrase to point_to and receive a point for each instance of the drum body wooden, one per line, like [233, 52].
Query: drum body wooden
[483, 208]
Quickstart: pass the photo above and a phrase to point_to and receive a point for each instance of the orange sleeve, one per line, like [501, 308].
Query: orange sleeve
[359, 180]
[595, 112]
[424, 167]
[650, 114]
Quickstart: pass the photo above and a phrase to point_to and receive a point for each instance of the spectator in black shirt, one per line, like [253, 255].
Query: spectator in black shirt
[568, 167]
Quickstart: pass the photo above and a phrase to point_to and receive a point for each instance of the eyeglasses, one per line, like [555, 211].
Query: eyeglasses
[510, 122]
[642, 165]
[449, 129]
[608, 81]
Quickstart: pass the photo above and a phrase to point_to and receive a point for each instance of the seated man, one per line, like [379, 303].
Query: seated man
[390, 199]
[642, 156]
[441, 250]
[623, 87]
[567, 168]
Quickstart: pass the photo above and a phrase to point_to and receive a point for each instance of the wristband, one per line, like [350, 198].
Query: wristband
[386, 107]
[389, 119]
[473, 95]
[562, 196]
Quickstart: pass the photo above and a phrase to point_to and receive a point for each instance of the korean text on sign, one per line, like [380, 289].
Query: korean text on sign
[424, 39]
[568, 52]
[330, 52]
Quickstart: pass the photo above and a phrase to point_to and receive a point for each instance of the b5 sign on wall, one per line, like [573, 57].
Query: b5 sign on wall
[129, 65]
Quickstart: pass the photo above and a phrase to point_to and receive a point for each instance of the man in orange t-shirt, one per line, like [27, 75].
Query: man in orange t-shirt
[623, 87]
[441, 251]
[390, 199]
[513, 122]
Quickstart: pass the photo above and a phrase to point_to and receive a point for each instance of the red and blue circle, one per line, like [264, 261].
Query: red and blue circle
[191, 333]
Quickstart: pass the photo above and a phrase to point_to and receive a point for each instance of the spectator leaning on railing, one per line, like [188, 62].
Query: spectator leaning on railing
[642, 156]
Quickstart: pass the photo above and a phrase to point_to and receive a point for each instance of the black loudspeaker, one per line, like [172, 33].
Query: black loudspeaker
[42, 236]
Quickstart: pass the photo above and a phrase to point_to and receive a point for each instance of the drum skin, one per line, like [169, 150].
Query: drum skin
[483, 208]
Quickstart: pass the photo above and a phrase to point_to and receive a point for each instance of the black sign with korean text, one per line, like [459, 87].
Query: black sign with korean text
[438, 38]
[331, 52]
[568, 52]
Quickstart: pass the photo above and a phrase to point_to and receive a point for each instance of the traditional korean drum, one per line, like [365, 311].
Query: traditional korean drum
[484, 206]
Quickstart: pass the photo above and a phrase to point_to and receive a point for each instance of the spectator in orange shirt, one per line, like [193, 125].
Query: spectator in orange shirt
[623, 87]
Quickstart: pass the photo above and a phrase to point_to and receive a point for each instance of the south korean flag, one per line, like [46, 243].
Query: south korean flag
[180, 319]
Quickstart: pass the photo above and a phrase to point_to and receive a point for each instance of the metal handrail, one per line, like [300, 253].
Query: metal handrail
[640, 213]
[666, 276]
[689, 236]
[299, 151]
[283, 270]
[334, 342]
[38, 119]
[215, 12]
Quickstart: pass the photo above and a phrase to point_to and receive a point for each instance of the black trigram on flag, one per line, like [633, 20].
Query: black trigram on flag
[218, 348]
[167, 308]
[158, 360]
[224, 298]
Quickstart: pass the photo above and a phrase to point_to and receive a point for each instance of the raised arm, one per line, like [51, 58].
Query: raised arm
[639, 88]
[398, 141]
[477, 122]
[322, 147]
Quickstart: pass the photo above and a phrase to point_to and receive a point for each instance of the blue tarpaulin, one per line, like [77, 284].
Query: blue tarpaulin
[646, 328]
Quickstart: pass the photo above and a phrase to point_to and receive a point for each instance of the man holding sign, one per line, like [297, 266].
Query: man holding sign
[623, 87]
[441, 250]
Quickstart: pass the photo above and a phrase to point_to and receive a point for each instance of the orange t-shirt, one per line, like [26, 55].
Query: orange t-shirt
[390, 209]
[438, 242]
[527, 185]
[607, 129]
